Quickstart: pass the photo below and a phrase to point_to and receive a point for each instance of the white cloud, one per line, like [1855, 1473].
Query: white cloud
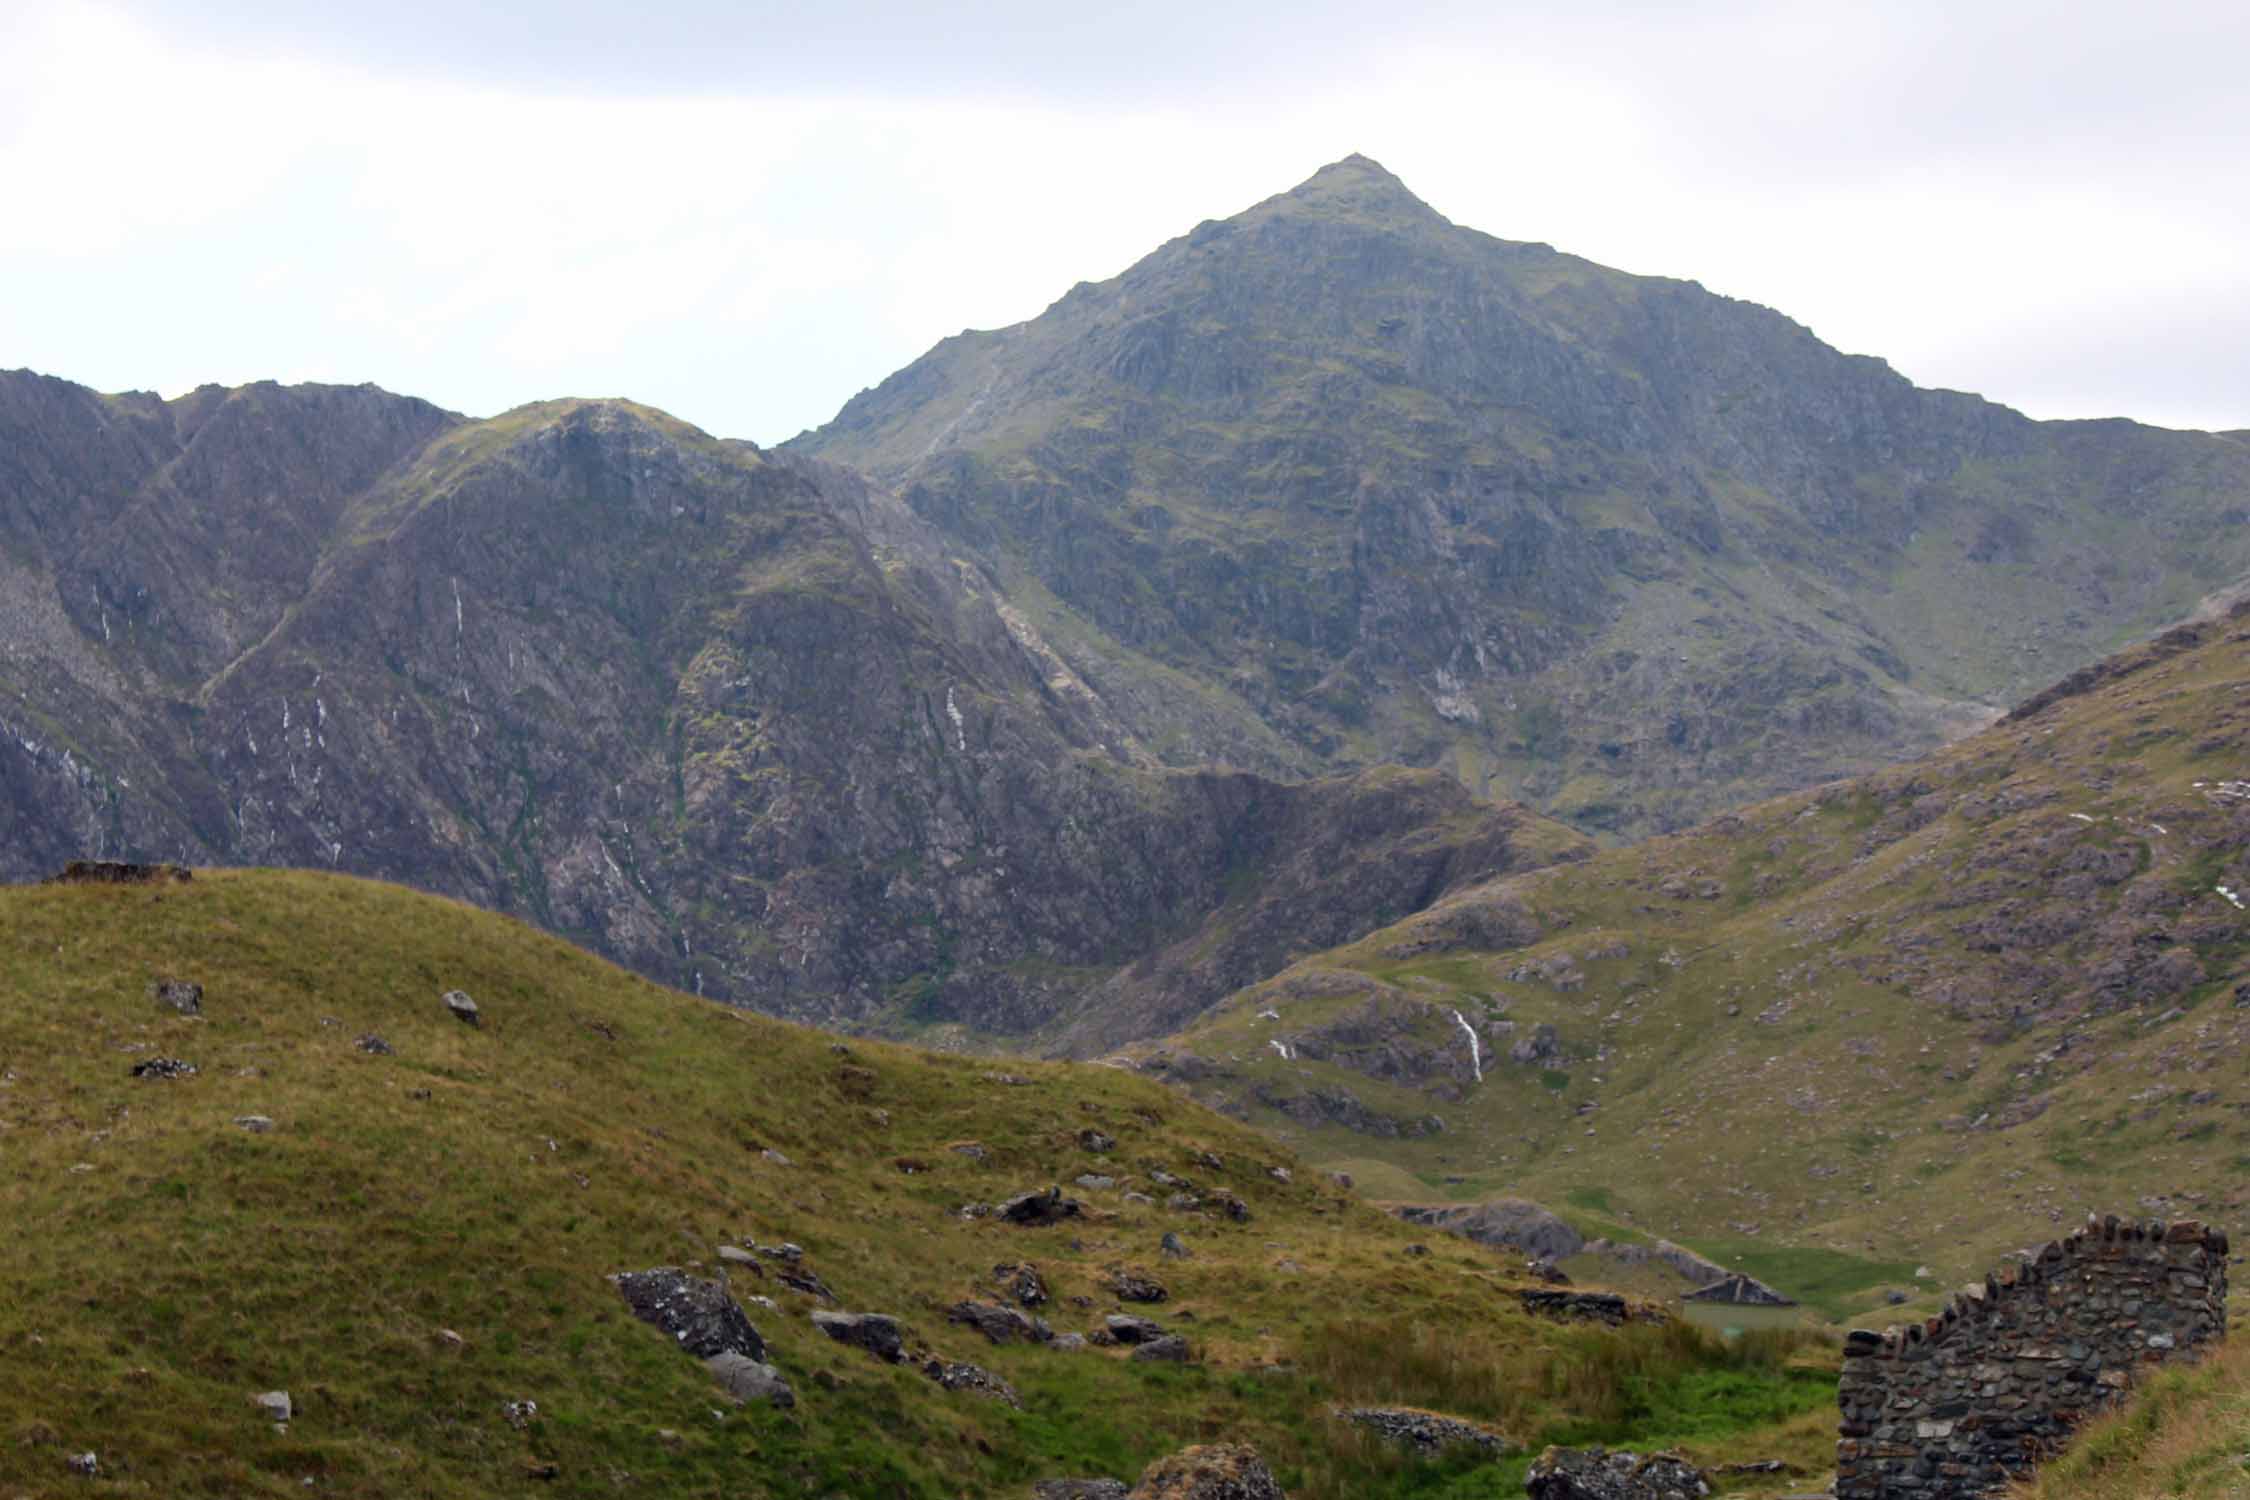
[2030, 201]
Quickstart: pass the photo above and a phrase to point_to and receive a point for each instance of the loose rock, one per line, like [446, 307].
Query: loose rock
[699, 1315]
[1022, 1281]
[163, 1067]
[1079, 1489]
[746, 1379]
[1134, 1286]
[464, 1009]
[1002, 1325]
[373, 1045]
[1170, 1349]
[877, 1334]
[275, 1404]
[1123, 1328]
[179, 995]
[1172, 1246]
[1046, 1206]
[255, 1124]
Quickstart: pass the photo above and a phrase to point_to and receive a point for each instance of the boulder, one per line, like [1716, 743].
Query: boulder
[179, 995]
[1022, 1281]
[1218, 1471]
[163, 1067]
[699, 1315]
[1134, 1286]
[1093, 1140]
[464, 1009]
[84, 1465]
[373, 1045]
[255, 1124]
[275, 1404]
[1045, 1206]
[1123, 1328]
[1172, 1246]
[1170, 1349]
[1597, 1474]
[1002, 1325]
[747, 1380]
[876, 1333]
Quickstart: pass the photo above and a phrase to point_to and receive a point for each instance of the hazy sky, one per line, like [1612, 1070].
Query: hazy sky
[745, 212]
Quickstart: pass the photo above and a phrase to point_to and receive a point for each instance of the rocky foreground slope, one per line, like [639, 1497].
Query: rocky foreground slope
[1855, 1040]
[1377, 486]
[734, 718]
[325, 1187]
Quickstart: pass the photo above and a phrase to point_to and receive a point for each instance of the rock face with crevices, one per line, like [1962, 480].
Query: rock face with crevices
[655, 691]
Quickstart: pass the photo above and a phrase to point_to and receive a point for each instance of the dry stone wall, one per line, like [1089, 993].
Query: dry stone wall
[1958, 1405]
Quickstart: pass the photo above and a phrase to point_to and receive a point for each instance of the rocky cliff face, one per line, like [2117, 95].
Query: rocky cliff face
[737, 719]
[1385, 488]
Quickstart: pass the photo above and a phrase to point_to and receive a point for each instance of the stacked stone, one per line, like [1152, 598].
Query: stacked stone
[1959, 1405]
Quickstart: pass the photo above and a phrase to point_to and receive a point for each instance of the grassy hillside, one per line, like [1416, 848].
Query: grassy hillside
[2184, 1435]
[1856, 1041]
[422, 1236]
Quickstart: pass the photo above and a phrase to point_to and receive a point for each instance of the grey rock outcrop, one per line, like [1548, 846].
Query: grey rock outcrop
[876, 1333]
[749, 1380]
[1517, 1223]
[1040, 1207]
[698, 1315]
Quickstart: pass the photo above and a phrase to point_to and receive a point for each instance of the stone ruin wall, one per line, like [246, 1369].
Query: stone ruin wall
[1960, 1404]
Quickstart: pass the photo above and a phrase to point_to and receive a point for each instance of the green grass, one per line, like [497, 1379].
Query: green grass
[486, 1181]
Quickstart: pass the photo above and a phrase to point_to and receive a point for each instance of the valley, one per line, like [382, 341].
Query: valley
[1287, 853]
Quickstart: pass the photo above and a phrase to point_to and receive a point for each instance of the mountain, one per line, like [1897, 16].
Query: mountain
[1337, 482]
[735, 718]
[1900, 1021]
[321, 1199]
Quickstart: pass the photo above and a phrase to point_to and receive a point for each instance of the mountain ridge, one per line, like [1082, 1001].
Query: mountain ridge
[1399, 490]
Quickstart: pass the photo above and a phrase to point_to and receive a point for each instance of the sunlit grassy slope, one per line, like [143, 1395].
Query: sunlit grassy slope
[164, 1263]
[2184, 1435]
[1904, 1024]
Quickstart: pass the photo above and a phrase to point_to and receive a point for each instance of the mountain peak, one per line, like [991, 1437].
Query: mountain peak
[1358, 187]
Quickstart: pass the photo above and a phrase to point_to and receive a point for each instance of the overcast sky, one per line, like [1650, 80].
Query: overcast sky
[745, 212]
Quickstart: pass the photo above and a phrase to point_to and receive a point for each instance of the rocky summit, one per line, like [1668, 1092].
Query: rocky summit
[1336, 481]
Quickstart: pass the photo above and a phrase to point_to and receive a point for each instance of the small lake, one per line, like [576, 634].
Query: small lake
[1729, 1317]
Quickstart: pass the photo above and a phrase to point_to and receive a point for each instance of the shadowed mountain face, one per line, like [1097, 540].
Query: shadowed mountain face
[734, 718]
[1336, 481]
